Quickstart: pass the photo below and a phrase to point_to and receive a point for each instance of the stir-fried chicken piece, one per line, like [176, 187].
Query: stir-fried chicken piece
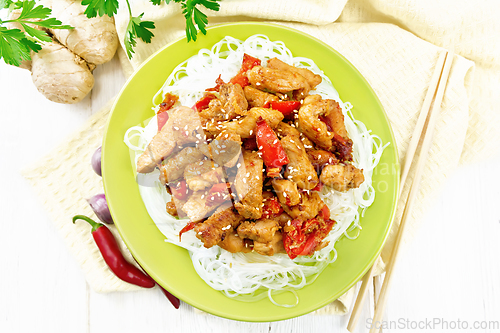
[197, 207]
[183, 126]
[248, 186]
[225, 149]
[258, 98]
[312, 79]
[300, 169]
[287, 191]
[231, 103]
[272, 247]
[279, 81]
[310, 123]
[284, 129]
[216, 227]
[308, 208]
[234, 244]
[283, 219]
[203, 174]
[342, 177]
[322, 121]
[260, 231]
[171, 208]
[174, 168]
[245, 127]
[320, 158]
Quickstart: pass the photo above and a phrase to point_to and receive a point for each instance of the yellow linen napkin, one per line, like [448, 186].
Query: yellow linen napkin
[396, 53]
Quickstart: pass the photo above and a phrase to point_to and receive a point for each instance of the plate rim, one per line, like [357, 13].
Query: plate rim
[380, 106]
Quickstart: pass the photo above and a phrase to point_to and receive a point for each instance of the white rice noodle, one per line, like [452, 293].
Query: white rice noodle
[252, 276]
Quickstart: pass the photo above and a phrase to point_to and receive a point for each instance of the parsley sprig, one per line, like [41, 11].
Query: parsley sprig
[137, 28]
[15, 44]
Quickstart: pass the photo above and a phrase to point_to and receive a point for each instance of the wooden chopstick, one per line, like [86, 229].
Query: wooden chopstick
[410, 153]
[426, 145]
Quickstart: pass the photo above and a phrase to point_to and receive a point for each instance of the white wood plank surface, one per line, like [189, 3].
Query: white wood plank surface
[451, 271]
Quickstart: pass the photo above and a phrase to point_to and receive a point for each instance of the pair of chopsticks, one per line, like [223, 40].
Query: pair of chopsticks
[435, 92]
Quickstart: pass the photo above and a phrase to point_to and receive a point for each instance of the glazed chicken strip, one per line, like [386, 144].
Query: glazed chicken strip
[260, 231]
[308, 208]
[248, 186]
[310, 123]
[174, 168]
[226, 149]
[300, 169]
[183, 126]
[197, 207]
[203, 174]
[272, 247]
[217, 226]
[287, 191]
[279, 81]
[320, 158]
[231, 103]
[234, 244]
[258, 98]
[312, 79]
[245, 127]
[342, 177]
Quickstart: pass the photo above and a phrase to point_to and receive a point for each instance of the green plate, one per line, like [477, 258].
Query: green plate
[170, 265]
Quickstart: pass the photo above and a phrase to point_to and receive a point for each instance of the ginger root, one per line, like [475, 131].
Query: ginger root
[60, 75]
[94, 39]
[62, 69]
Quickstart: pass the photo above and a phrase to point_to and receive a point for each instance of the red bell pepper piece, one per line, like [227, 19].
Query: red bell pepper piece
[272, 208]
[298, 243]
[110, 251]
[273, 154]
[180, 190]
[217, 194]
[248, 63]
[203, 102]
[293, 238]
[218, 82]
[325, 213]
[167, 104]
[285, 107]
[161, 119]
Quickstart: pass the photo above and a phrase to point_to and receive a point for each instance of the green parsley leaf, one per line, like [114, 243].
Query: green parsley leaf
[15, 46]
[137, 28]
[194, 15]
[35, 33]
[5, 3]
[100, 7]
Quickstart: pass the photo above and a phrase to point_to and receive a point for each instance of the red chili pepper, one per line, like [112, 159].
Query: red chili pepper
[273, 154]
[204, 101]
[285, 107]
[187, 227]
[174, 300]
[110, 251]
[180, 190]
[248, 63]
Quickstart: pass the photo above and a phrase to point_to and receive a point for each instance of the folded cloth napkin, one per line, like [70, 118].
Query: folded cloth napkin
[393, 43]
